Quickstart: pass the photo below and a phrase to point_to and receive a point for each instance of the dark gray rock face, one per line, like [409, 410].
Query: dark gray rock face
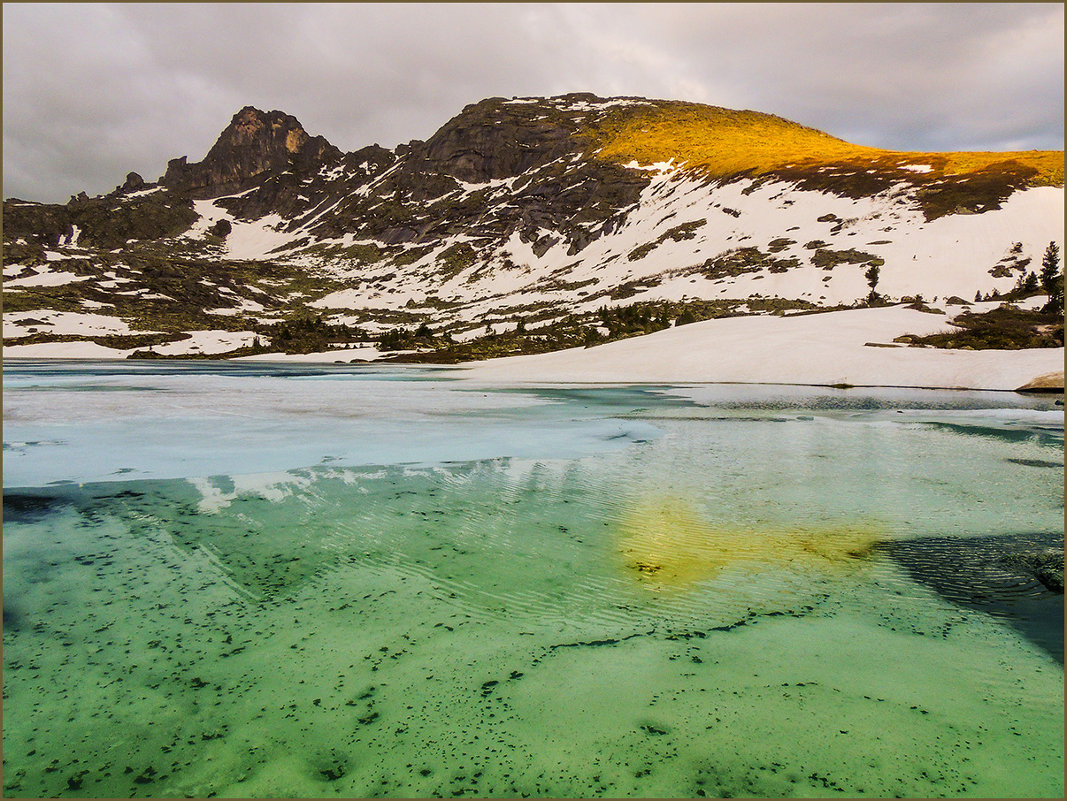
[221, 228]
[103, 221]
[40, 223]
[560, 188]
[493, 139]
[134, 183]
[255, 142]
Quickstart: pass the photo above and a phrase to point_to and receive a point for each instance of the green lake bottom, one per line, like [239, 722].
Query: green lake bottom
[714, 612]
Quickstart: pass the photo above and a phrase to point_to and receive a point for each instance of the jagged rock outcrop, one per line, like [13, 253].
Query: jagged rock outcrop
[497, 139]
[540, 152]
[491, 141]
[133, 183]
[41, 223]
[104, 222]
[254, 143]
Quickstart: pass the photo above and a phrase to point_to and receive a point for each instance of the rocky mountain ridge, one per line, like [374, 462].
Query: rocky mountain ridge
[253, 144]
[520, 212]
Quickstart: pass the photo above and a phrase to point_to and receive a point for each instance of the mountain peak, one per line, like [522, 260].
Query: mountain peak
[250, 125]
[253, 144]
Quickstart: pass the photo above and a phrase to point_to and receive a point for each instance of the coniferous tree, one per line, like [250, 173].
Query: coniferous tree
[1052, 278]
[872, 275]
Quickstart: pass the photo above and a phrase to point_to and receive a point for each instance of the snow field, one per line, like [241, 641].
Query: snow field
[828, 348]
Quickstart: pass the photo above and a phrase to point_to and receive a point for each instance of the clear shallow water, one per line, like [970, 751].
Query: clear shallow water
[306, 581]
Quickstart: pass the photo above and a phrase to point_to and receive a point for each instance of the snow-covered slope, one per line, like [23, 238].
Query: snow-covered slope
[529, 212]
[844, 348]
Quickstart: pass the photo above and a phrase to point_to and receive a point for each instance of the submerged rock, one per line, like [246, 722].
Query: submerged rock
[32, 505]
[1046, 567]
[1017, 578]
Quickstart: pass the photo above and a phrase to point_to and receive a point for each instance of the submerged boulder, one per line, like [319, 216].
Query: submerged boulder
[1017, 578]
[1046, 567]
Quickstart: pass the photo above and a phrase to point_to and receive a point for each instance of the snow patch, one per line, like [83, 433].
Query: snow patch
[244, 307]
[63, 350]
[59, 278]
[16, 324]
[144, 192]
[256, 239]
[71, 239]
[364, 353]
[825, 349]
[207, 342]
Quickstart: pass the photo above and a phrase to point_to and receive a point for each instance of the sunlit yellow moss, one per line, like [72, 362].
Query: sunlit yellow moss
[665, 543]
[722, 142]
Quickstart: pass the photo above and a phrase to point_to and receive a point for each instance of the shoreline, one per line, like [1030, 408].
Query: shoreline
[850, 348]
[462, 368]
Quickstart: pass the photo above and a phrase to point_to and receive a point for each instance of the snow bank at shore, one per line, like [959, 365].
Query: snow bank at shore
[351, 355]
[80, 349]
[845, 347]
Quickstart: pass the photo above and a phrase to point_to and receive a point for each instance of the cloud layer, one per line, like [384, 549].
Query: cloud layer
[93, 91]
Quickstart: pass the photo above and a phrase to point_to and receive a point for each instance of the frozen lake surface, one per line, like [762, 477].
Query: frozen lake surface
[318, 580]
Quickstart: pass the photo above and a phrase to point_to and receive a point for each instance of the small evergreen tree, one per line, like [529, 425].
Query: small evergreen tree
[1026, 285]
[1052, 278]
[872, 275]
[1050, 265]
[395, 339]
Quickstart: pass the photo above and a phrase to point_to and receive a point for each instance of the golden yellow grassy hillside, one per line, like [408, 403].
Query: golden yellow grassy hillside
[722, 142]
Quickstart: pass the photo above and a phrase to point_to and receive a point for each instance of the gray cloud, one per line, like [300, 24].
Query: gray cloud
[92, 91]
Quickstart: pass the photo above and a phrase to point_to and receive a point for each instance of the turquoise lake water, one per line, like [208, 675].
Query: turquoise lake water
[242, 580]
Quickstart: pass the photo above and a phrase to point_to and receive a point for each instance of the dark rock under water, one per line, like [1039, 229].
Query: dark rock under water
[27, 507]
[1017, 578]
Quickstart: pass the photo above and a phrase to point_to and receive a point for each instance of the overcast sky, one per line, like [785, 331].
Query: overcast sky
[92, 91]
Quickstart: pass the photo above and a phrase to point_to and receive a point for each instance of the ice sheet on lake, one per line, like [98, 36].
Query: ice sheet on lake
[111, 424]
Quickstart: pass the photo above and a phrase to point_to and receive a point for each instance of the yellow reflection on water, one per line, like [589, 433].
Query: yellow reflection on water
[666, 543]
